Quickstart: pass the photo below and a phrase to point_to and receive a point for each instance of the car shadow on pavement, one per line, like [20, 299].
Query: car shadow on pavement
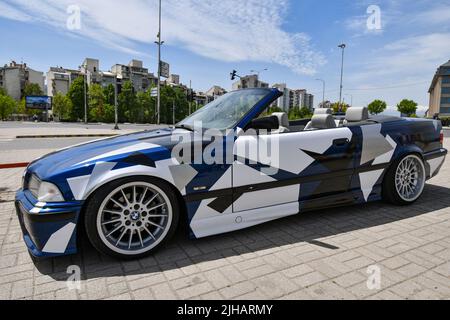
[313, 228]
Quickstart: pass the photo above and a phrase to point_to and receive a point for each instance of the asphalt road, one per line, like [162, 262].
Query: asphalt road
[21, 125]
[36, 144]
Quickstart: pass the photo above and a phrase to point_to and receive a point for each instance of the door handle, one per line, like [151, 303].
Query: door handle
[341, 142]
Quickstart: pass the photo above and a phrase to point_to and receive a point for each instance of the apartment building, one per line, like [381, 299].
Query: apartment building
[203, 98]
[250, 81]
[293, 98]
[440, 92]
[15, 76]
[59, 79]
[285, 102]
[135, 72]
[215, 92]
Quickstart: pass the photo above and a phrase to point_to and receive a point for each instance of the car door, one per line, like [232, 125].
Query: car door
[299, 167]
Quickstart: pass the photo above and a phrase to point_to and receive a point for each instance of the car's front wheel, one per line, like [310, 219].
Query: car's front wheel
[132, 217]
[405, 181]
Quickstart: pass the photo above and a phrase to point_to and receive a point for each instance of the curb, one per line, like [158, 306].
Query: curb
[14, 165]
[67, 136]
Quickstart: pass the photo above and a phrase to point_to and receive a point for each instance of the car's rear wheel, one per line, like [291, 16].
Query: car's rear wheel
[131, 218]
[405, 181]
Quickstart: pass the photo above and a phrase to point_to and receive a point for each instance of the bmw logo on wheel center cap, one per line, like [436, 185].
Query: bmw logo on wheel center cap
[135, 216]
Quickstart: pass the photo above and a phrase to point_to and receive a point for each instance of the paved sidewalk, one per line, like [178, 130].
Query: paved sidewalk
[319, 255]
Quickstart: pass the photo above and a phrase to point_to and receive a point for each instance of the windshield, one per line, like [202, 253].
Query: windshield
[226, 111]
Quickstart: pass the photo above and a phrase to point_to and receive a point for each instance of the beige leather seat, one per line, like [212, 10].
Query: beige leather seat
[355, 115]
[320, 122]
[318, 111]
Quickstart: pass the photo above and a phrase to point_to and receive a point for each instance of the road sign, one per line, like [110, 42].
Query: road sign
[38, 102]
[165, 69]
[154, 92]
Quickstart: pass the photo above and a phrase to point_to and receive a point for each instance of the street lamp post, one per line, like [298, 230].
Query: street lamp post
[85, 75]
[116, 111]
[159, 43]
[190, 97]
[342, 46]
[323, 92]
[173, 110]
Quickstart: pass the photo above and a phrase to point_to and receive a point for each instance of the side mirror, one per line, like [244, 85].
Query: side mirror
[266, 123]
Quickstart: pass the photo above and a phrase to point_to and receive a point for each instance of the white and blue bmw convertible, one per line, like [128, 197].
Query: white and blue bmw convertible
[130, 193]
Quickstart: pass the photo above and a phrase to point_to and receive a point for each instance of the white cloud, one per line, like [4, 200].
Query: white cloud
[12, 13]
[433, 16]
[400, 69]
[413, 55]
[227, 30]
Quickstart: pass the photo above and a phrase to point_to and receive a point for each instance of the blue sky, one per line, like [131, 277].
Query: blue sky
[205, 39]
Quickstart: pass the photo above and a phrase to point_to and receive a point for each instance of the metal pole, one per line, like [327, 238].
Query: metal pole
[342, 46]
[190, 96]
[173, 111]
[116, 111]
[159, 68]
[85, 97]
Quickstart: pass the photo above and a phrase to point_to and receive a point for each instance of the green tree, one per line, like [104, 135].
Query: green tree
[62, 106]
[126, 102]
[146, 107]
[339, 107]
[305, 113]
[109, 93]
[109, 113]
[271, 110]
[407, 107]
[294, 113]
[173, 97]
[76, 96]
[298, 113]
[377, 107]
[96, 103]
[32, 89]
[7, 106]
[3, 92]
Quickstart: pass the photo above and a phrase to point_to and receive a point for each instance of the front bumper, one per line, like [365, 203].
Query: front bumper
[49, 229]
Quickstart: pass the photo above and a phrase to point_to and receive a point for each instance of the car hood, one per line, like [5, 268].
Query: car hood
[158, 142]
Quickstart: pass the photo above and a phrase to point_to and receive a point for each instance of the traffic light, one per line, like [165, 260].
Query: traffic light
[233, 75]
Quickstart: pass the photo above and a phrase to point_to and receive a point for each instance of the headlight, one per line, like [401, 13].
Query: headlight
[48, 192]
[33, 185]
[44, 191]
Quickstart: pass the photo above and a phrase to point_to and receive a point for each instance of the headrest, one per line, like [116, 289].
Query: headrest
[323, 111]
[323, 121]
[283, 119]
[357, 114]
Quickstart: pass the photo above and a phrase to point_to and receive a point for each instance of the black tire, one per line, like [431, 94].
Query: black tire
[390, 192]
[96, 200]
